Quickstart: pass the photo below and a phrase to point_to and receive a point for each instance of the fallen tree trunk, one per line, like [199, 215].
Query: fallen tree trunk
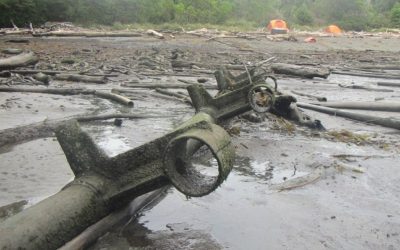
[178, 96]
[319, 98]
[385, 122]
[113, 34]
[10, 51]
[301, 71]
[384, 67]
[162, 86]
[44, 129]
[53, 91]
[115, 97]
[5, 74]
[80, 78]
[373, 106]
[57, 72]
[59, 34]
[361, 74]
[47, 72]
[105, 95]
[389, 84]
[142, 95]
[155, 33]
[20, 60]
[87, 34]
[92, 233]
[353, 86]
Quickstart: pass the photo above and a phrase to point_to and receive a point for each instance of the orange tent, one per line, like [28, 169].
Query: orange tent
[333, 29]
[277, 24]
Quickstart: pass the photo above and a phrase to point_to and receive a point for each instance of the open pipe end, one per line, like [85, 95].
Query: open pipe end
[198, 161]
[261, 98]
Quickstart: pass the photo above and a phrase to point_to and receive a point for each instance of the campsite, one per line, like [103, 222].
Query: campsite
[203, 138]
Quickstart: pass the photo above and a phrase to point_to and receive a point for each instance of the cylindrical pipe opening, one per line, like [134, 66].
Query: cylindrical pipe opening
[261, 98]
[197, 162]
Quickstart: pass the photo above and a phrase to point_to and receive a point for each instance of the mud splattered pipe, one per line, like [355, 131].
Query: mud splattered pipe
[103, 184]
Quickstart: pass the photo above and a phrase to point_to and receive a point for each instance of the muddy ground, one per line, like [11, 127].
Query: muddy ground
[343, 209]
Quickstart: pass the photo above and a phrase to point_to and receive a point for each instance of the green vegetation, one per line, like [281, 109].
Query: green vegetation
[350, 14]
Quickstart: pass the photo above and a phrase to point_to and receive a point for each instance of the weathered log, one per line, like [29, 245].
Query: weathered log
[142, 95]
[373, 106]
[115, 97]
[10, 51]
[87, 34]
[180, 97]
[59, 91]
[370, 75]
[301, 71]
[162, 86]
[155, 33]
[44, 129]
[54, 91]
[92, 233]
[20, 60]
[47, 72]
[113, 34]
[385, 122]
[60, 34]
[319, 98]
[5, 74]
[389, 84]
[354, 86]
[18, 40]
[80, 78]
[384, 67]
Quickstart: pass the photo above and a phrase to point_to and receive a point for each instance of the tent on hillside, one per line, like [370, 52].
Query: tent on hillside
[277, 26]
[333, 29]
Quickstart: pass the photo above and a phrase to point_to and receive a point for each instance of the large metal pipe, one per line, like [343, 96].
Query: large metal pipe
[103, 184]
[62, 216]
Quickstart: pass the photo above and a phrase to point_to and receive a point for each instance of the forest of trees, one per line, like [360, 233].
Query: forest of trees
[350, 14]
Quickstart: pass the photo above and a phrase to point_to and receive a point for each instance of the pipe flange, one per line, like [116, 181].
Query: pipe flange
[185, 174]
[261, 98]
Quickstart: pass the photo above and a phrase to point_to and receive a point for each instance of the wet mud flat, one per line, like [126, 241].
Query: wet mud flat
[291, 187]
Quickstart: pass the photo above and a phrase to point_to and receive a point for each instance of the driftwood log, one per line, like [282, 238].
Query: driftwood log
[389, 84]
[20, 60]
[44, 129]
[178, 96]
[354, 86]
[139, 95]
[86, 34]
[54, 91]
[319, 98]
[10, 51]
[369, 75]
[162, 86]
[5, 74]
[385, 122]
[115, 97]
[373, 106]
[301, 71]
[80, 78]
[47, 72]
[59, 91]
[155, 33]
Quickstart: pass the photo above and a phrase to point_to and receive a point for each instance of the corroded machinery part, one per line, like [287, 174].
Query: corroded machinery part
[182, 171]
[261, 98]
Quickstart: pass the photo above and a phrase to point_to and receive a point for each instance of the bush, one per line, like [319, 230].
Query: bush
[303, 16]
[395, 15]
